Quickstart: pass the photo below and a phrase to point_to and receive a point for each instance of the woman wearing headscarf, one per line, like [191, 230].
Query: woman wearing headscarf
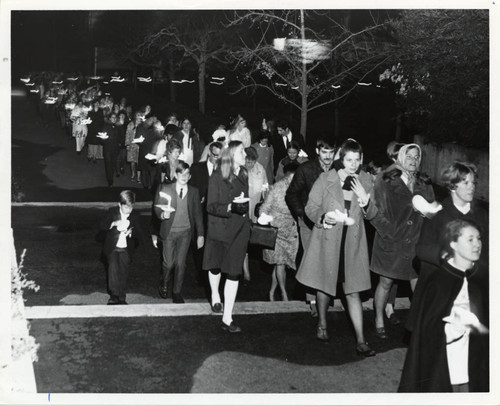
[397, 225]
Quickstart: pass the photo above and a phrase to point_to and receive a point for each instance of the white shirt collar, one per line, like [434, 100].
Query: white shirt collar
[210, 167]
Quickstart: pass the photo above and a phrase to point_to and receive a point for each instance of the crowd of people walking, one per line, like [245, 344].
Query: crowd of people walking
[206, 196]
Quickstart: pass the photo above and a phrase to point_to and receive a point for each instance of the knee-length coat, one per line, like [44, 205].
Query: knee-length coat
[398, 226]
[319, 267]
[227, 233]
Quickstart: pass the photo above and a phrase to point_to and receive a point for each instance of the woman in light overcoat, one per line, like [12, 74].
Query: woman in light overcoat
[336, 250]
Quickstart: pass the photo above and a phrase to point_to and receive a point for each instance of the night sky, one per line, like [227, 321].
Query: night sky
[50, 40]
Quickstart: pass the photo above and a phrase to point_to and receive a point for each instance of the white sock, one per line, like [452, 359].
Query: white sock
[214, 281]
[230, 290]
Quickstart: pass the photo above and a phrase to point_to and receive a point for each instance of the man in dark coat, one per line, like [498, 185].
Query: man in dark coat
[298, 192]
[145, 166]
[110, 148]
[121, 233]
[282, 141]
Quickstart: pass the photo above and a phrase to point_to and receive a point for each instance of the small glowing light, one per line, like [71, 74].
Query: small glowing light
[216, 83]
[30, 84]
[117, 79]
[364, 84]
[280, 84]
[25, 80]
[50, 100]
[183, 81]
[216, 78]
[34, 91]
[143, 79]
[95, 77]
[336, 86]
[55, 82]
[71, 79]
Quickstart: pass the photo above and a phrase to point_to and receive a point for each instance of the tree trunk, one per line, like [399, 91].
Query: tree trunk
[303, 85]
[201, 86]
[171, 76]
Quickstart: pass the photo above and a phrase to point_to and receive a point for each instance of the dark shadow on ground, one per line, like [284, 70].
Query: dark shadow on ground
[162, 355]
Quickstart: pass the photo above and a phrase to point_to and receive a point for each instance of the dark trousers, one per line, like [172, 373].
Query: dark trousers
[175, 249]
[121, 160]
[110, 158]
[118, 266]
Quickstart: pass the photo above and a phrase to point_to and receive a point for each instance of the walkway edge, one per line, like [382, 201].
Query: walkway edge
[177, 310]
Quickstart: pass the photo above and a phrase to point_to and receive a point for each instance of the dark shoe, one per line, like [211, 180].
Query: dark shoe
[177, 298]
[122, 170]
[380, 332]
[364, 350]
[113, 302]
[117, 175]
[232, 328]
[217, 308]
[94, 160]
[162, 290]
[322, 334]
[122, 302]
[394, 320]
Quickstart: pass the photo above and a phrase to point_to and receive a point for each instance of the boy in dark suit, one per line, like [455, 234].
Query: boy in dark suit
[122, 231]
[178, 207]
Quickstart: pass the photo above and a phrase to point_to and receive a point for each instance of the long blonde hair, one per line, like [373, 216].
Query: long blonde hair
[226, 161]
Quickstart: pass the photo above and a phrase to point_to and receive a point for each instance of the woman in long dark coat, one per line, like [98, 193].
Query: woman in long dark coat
[338, 251]
[397, 226]
[228, 229]
[449, 344]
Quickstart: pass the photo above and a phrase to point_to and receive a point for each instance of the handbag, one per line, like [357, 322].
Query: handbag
[263, 235]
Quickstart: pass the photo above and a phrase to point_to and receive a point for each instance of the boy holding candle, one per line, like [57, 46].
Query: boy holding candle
[178, 207]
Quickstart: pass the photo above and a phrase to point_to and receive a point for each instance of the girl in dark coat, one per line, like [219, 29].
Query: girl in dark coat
[449, 344]
[228, 229]
[397, 226]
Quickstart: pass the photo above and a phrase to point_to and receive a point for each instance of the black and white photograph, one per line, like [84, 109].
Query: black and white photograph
[215, 203]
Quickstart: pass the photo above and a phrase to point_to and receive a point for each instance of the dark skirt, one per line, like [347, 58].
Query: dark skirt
[227, 256]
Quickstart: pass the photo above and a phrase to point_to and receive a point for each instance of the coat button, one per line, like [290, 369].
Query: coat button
[410, 222]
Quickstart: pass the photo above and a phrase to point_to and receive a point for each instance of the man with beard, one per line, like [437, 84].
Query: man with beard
[298, 193]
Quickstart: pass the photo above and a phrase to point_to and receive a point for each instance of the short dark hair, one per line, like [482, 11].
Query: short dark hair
[263, 134]
[215, 144]
[457, 172]
[282, 124]
[349, 145]
[127, 197]
[181, 166]
[324, 143]
[294, 145]
[252, 153]
[452, 230]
